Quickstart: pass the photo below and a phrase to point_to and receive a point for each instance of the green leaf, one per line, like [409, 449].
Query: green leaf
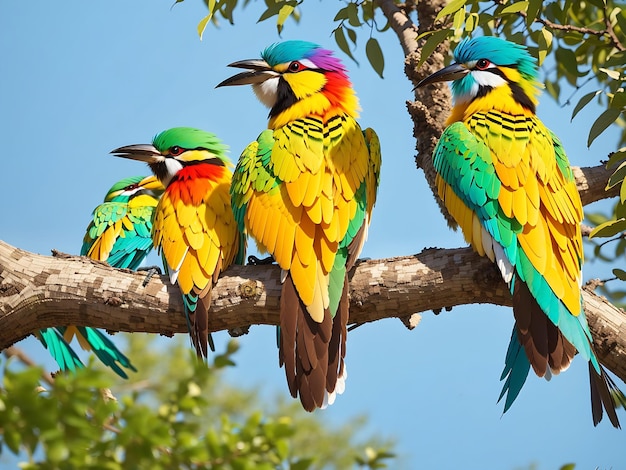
[620, 274]
[618, 100]
[340, 39]
[544, 43]
[450, 8]
[605, 119]
[432, 42]
[584, 101]
[375, 56]
[471, 22]
[609, 229]
[617, 177]
[531, 12]
[616, 158]
[284, 13]
[204, 22]
[459, 17]
[514, 8]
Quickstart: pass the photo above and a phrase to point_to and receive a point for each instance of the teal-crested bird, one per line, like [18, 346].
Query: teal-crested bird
[504, 177]
[119, 233]
[194, 229]
[304, 190]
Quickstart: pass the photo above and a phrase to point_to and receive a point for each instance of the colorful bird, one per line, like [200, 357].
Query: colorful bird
[194, 229]
[119, 233]
[505, 178]
[305, 190]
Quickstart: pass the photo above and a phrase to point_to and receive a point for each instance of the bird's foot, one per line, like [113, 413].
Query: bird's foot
[254, 261]
[239, 331]
[151, 270]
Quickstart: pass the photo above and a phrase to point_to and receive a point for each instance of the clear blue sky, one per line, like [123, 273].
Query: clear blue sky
[81, 78]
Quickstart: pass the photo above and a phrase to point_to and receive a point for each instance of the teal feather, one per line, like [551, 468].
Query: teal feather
[516, 368]
[52, 339]
[128, 251]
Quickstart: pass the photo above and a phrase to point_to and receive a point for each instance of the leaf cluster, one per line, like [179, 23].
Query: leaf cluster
[175, 413]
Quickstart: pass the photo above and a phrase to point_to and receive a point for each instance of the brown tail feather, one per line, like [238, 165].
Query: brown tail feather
[303, 348]
[604, 396]
[200, 322]
[337, 346]
[545, 345]
[543, 342]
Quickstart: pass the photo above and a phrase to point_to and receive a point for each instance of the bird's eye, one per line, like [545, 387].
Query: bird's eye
[176, 151]
[482, 64]
[295, 66]
[130, 187]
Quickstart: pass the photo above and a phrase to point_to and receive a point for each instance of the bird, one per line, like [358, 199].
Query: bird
[194, 229]
[506, 180]
[304, 190]
[119, 233]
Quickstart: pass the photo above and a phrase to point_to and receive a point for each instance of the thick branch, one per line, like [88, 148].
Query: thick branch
[41, 291]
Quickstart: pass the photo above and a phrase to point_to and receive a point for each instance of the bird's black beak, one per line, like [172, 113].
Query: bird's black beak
[447, 74]
[141, 152]
[258, 71]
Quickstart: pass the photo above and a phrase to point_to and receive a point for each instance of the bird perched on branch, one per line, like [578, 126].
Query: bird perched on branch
[119, 233]
[193, 226]
[504, 177]
[305, 190]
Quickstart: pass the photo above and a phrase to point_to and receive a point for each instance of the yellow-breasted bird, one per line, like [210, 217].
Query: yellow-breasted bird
[304, 190]
[119, 234]
[505, 178]
[193, 227]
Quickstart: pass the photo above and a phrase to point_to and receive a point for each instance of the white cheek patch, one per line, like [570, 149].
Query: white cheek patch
[266, 91]
[173, 166]
[488, 79]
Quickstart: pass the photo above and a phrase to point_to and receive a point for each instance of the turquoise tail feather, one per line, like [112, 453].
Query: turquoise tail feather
[52, 339]
[516, 368]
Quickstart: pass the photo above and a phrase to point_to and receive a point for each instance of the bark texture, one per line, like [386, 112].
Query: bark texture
[42, 291]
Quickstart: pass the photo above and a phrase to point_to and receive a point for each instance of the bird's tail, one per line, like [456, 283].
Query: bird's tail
[304, 349]
[104, 349]
[59, 349]
[604, 396]
[197, 304]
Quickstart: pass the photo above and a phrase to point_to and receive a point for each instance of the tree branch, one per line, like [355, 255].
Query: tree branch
[41, 291]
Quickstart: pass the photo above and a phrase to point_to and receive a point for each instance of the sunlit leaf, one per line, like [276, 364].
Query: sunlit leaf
[284, 13]
[375, 56]
[514, 8]
[205, 21]
[614, 74]
[605, 119]
[450, 8]
[609, 229]
[544, 43]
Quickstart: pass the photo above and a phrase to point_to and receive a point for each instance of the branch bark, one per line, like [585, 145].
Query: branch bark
[42, 291]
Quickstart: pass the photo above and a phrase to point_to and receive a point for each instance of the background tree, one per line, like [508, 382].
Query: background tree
[441, 342]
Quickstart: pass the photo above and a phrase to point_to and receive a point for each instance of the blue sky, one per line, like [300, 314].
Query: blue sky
[81, 78]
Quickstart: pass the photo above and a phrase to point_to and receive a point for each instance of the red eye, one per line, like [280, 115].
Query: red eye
[175, 151]
[295, 66]
[482, 64]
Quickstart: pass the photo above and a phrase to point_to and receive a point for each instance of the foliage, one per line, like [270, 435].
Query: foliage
[175, 413]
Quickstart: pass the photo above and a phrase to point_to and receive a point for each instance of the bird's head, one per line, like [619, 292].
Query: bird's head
[126, 189]
[176, 148]
[487, 63]
[295, 79]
